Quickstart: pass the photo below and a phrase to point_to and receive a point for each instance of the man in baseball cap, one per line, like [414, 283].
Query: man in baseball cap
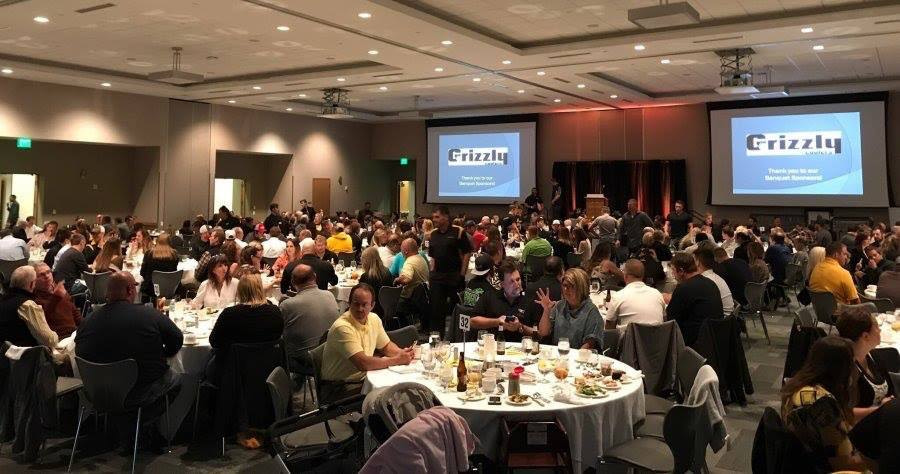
[480, 282]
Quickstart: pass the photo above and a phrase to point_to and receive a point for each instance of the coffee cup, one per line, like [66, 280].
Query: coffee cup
[190, 338]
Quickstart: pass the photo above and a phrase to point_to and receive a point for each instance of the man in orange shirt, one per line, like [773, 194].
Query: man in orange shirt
[831, 276]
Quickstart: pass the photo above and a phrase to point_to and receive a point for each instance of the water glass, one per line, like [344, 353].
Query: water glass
[481, 334]
[446, 376]
[434, 337]
[526, 345]
[488, 384]
[563, 346]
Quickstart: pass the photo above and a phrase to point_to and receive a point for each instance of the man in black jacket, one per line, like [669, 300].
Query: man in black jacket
[550, 281]
[123, 330]
[72, 263]
[324, 270]
[695, 299]
[274, 217]
[735, 272]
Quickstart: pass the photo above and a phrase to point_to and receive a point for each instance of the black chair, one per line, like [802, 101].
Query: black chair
[96, 284]
[755, 293]
[404, 337]
[7, 267]
[824, 304]
[106, 387]
[778, 450]
[883, 305]
[167, 282]
[389, 297]
[573, 260]
[793, 280]
[519, 451]
[534, 266]
[686, 368]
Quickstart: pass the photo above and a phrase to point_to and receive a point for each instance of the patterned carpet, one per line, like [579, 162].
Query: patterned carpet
[95, 455]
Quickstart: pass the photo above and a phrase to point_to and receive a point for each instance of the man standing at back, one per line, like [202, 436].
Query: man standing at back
[307, 315]
[122, 330]
[12, 207]
[449, 248]
[632, 228]
[678, 223]
[274, 217]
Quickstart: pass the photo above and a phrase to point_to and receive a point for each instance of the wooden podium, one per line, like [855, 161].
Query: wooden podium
[594, 204]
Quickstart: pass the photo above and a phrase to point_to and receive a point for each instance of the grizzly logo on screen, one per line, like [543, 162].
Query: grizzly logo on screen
[495, 155]
[794, 143]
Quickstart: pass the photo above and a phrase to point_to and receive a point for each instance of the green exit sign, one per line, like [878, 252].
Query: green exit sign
[23, 142]
[404, 161]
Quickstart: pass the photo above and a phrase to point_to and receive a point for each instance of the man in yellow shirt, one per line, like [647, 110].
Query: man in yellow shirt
[831, 276]
[354, 337]
[339, 242]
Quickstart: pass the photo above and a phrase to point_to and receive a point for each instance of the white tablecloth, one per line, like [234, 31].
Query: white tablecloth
[188, 266]
[593, 426]
[341, 291]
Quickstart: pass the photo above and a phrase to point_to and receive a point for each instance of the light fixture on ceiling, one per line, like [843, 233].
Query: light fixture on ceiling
[438, 69]
[581, 86]
[639, 47]
[6, 70]
[557, 100]
[175, 75]
[364, 15]
[446, 42]
[506, 61]
[521, 91]
[806, 29]
[301, 95]
[232, 101]
[341, 79]
[383, 88]
[289, 109]
[256, 88]
[771, 92]
[541, 73]
[105, 84]
[736, 72]
[476, 79]
[41, 19]
[664, 15]
[818, 47]
[613, 96]
[283, 28]
[334, 104]
[665, 61]
[373, 52]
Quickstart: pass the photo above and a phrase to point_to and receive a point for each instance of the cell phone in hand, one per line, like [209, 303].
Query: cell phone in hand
[510, 318]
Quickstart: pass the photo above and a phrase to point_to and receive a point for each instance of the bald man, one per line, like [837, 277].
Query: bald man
[325, 274]
[414, 271]
[307, 315]
[122, 330]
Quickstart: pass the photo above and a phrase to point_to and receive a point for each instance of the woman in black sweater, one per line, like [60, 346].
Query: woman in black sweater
[163, 258]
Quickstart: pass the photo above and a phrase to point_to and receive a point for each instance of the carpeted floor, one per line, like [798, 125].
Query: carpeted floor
[765, 361]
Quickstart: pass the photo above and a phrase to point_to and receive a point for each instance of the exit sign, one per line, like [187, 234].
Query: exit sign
[23, 142]
[404, 161]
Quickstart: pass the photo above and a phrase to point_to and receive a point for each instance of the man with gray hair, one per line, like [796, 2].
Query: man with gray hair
[11, 248]
[60, 311]
[22, 320]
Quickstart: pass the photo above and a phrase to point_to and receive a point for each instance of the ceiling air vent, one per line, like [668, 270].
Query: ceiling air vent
[94, 8]
[6, 3]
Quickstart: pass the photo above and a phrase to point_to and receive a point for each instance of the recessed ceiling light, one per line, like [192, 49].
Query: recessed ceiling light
[806, 29]
[581, 86]
[289, 109]
[557, 100]
[613, 96]
[41, 19]
[232, 101]
[639, 47]
[373, 52]
[364, 15]
[383, 88]
[256, 88]
[476, 79]
[6, 70]
[541, 73]
[105, 84]
[301, 95]
[438, 69]
[341, 79]
[446, 42]
[665, 61]
[283, 28]
[506, 61]
[818, 47]
[521, 91]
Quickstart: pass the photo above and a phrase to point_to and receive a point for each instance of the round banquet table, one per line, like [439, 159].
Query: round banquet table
[593, 424]
[341, 291]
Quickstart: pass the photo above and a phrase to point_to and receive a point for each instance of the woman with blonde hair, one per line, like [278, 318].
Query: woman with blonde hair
[816, 256]
[375, 274]
[252, 320]
[139, 245]
[574, 317]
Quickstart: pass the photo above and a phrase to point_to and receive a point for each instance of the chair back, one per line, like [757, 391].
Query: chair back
[687, 432]
[648, 347]
[870, 307]
[404, 337]
[168, 282]
[755, 293]
[535, 266]
[96, 284]
[270, 261]
[573, 260]
[346, 258]
[520, 449]
[895, 380]
[806, 316]
[824, 304]
[610, 342]
[7, 267]
[689, 363]
[387, 409]
[389, 297]
[777, 449]
[244, 397]
[793, 275]
[886, 358]
[883, 305]
[106, 386]
[279, 383]
[455, 334]
[315, 356]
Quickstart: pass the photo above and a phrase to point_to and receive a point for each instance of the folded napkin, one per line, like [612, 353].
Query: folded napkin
[15, 352]
[566, 396]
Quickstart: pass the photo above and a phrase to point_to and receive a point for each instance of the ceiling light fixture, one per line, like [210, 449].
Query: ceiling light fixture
[105, 84]
[283, 28]
[289, 109]
[506, 61]
[373, 52]
[6, 70]
[639, 47]
[364, 15]
[665, 61]
[521, 91]
[232, 101]
[581, 86]
[557, 100]
[341, 79]
[301, 95]
[476, 79]
[256, 88]
[41, 19]
[818, 47]
[613, 96]
[383, 88]
[806, 29]
[446, 42]
[438, 69]
[541, 73]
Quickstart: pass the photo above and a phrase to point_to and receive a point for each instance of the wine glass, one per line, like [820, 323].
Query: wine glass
[446, 376]
[427, 359]
[545, 366]
[481, 335]
[563, 347]
[561, 371]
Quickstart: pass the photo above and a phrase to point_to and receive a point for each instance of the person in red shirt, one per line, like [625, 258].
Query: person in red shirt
[59, 308]
[476, 234]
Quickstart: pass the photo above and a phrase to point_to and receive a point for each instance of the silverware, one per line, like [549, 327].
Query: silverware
[537, 399]
[500, 388]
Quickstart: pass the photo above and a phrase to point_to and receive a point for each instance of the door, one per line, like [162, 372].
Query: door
[406, 192]
[321, 194]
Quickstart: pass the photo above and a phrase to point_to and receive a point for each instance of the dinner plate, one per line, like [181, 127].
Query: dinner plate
[464, 397]
[519, 404]
[604, 386]
[598, 395]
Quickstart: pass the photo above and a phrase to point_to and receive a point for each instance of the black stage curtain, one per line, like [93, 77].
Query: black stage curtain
[656, 184]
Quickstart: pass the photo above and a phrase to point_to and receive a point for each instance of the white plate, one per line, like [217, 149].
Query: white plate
[599, 395]
[465, 398]
[520, 404]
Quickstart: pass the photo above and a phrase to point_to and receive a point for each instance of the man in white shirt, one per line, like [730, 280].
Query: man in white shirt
[238, 234]
[706, 261]
[728, 242]
[31, 228]
[273, 247]
[11, 248]
[636, 302]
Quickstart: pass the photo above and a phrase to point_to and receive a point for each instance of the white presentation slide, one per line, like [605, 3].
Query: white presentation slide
[807, 156]
[481, 164]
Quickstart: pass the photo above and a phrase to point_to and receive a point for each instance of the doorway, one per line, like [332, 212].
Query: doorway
[25, 188]
[231, 193]
[406, 192]
[321, 194]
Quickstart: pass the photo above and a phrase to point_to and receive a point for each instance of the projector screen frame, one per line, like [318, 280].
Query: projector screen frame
[482, 120]
[880, 96]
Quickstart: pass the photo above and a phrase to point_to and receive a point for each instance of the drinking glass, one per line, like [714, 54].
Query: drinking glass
[526, 345]
[481, 335]
[595, 287]
[434, 337]
[474, 376]
[428, 361]
[545, 366]
[446, 376]
[561, 371]
[488, 384]
[563, 347]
